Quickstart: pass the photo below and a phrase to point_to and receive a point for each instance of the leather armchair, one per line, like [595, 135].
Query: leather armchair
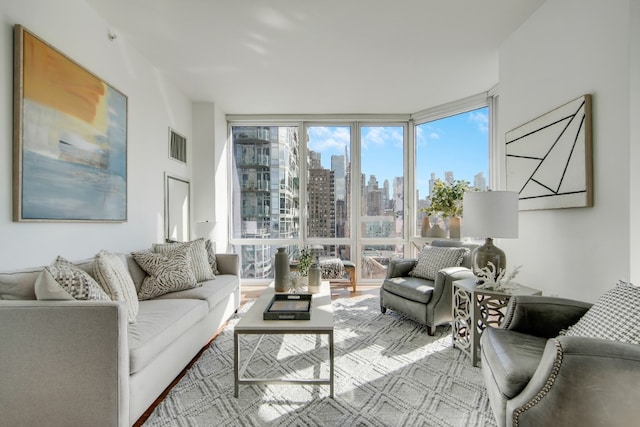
[428, 302]
[535, 377]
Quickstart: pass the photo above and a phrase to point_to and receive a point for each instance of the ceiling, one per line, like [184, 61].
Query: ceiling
[320, 56]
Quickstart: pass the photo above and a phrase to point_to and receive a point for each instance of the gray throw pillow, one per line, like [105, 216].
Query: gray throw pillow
[71, 280]
[166, 273]
[434, 258]
[112, 273]
[211, 256]
[615, 316]
[198, 259]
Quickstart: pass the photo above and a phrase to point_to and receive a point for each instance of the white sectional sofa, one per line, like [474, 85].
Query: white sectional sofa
[81, 363]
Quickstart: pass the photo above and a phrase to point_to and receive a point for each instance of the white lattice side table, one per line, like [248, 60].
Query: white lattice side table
[474, 309]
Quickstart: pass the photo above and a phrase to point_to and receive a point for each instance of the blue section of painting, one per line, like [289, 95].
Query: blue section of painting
[74, 186]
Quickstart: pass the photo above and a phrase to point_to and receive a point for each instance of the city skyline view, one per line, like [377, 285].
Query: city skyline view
[456, 143]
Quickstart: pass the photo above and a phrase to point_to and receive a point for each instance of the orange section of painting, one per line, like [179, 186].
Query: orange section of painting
[53, 80]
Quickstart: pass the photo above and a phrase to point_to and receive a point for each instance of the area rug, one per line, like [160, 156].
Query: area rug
[388, 372]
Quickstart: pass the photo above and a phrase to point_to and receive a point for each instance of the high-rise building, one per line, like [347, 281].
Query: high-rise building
[479, 181]
[264, 155]
[321, 202]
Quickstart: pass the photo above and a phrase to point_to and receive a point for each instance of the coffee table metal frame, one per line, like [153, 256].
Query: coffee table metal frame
[252, 323]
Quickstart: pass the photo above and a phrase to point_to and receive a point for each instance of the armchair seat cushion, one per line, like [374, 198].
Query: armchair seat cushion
[512, 358]
[411, 288]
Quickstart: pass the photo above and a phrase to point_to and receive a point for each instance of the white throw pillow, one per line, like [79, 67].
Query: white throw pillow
[71, 279]
[434, 258]
[199, 261]
[112, 273]
[615, 316]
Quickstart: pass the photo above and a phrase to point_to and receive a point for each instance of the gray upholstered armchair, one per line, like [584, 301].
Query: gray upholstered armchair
[535, 377]
[428, 302]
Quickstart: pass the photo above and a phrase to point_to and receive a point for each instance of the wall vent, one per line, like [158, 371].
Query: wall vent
[177, 146]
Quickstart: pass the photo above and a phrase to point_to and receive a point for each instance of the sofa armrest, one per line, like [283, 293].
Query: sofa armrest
[64, 363]
[400, 267]
[542, 316]
[228, 264]
[581, 381]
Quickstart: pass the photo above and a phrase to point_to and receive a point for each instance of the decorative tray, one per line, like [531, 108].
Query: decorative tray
[289, 307]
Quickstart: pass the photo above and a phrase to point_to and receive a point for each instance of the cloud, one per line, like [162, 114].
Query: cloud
[481, 119]
[379, 136]
[329, 138]
[424, 133]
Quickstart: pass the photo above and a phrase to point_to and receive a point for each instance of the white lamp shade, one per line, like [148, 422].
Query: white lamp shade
[490, 214]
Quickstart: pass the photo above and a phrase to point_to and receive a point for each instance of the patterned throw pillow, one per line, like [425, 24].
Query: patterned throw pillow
[166, 273]
[199, 261]
[434, 258]
[111, 272]
[211, 255]
[71, 280]
[615, 316]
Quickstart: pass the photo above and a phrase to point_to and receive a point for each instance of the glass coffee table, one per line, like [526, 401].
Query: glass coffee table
[321, 323]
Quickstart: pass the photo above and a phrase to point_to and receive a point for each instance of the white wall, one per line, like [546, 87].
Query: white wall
[634, 134]
[211, 174]
[154, 104]
[566, 49]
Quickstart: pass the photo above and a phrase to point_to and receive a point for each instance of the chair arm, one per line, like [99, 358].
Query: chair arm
[581, 381]
[444, 281]
[542, 316]
[228, 264]
[400, 267]
[64, 363]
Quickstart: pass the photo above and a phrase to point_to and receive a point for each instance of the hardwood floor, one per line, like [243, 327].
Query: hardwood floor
[248, 293]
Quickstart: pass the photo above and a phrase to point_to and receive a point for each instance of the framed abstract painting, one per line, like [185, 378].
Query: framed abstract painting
[69, 138]
[549, 159]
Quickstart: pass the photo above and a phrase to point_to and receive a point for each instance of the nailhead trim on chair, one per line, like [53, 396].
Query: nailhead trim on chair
[509, 317]
[545, 389]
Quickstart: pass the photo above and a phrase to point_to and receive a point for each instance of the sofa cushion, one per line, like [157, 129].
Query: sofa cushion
[166, 273]
[411, 288]
[211, 256]
[69, 279]
[159, 323]
[19, 284]
[212, 291]
[111, 272]
[512, 358]
[615, 316]
[198, 260]
[433, 259]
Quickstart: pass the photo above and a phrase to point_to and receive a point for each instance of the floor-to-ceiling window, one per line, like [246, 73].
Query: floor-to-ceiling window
[338, 185]
[380, 189]
[450, 148]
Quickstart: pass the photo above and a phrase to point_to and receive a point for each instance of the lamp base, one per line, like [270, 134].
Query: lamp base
[488, 253]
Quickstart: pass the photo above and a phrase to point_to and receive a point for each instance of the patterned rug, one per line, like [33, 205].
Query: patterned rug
[388, 372]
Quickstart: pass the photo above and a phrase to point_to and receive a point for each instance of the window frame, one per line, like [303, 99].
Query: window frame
[410, 241]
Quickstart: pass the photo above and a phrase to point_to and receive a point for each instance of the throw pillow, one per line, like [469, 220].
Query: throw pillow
[113, 275]
[46, 288]
[615, 316]
[211, 255]
[72, 280]
[198, 257]
[434, 258]
[166, 273]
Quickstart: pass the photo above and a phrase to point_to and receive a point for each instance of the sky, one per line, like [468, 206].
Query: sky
[457, 143]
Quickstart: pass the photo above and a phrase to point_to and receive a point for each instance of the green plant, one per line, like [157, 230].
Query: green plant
[305, 259]
[447, 198]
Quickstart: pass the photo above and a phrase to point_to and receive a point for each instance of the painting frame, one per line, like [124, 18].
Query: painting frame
[549, 160]
[70, 138]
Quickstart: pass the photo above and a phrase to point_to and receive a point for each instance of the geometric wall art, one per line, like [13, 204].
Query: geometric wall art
[549, 159]
[69, 139]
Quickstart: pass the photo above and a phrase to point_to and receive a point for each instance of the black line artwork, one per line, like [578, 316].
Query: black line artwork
[548, 160]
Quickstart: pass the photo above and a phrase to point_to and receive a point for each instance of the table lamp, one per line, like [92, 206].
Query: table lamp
[490, 214]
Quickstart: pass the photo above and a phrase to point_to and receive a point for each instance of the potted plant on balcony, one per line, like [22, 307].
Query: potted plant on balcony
[446, 201]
